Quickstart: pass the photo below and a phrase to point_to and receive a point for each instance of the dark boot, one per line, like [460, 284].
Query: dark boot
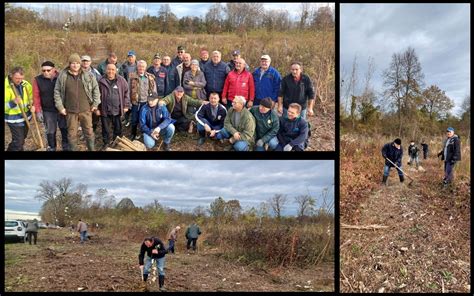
[51, 142]
[201, 141]
[91, 144]
[161, 281]
[402, 178]
[167, 147]
[145, 277]
[134, 132]
[384, 181]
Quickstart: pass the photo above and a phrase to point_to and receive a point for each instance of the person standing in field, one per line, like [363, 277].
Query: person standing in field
[215, 72]
[182, 68]
[77, 96]
[46, 112]
[32, 230]
[192, 234]
[204, 55]
[239, 82]
[111, 59]
[142, 85]
[178, 59]
[194, 82]
[293, 131]
[86, 62]
[171, 78]
[413, 154]
[394, 152]
[127, 68]
[267, 81]
[268, 125]
[425, 149]
[14, 104]
[114, 103]
[297, 87]
[82, 229]
[173, 237]
[451, 154]
[155, 250]
[160, 74]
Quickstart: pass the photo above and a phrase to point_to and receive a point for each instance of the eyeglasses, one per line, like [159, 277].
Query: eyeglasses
[46, 70]
[180, 51]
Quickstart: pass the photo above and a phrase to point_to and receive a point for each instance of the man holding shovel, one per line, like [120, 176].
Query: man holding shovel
[18, 107]
[392, 153]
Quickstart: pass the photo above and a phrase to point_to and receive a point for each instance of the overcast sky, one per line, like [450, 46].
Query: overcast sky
[440, 34]
[179, 9]
[179, 184]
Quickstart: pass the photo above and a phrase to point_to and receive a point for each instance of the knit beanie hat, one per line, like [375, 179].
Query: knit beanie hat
[398, 141]
[74, 58]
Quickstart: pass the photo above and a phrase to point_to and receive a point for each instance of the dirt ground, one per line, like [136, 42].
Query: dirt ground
[60, 263]
[426, 245]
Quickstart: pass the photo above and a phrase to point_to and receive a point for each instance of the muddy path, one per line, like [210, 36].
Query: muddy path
[59, 263]
[425, 247]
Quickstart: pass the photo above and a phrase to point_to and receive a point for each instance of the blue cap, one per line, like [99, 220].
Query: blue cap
[179, 88]
[450, 129]
[131, 52]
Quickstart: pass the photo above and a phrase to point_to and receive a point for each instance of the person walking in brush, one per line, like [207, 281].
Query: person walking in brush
[82, 229]
[172, 238]
[393, 152]
[425, 149]
[155, 250]
[413, 154]
[32, 230]
[451, 153]
[192, 234]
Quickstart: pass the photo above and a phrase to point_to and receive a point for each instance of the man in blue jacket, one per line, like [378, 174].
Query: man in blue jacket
[215, 73]
[394, 152]
[171, 82]
[293, 132]
[267, 81]
[155, 250]
[210, 118]
[160, 74]
[451, 153]
[155, 121]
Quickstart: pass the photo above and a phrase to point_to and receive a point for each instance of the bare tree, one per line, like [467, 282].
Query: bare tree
[306, 205]
[277, 202]
[304, 14]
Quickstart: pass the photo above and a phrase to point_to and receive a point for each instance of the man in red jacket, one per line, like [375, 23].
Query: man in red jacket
[239, 82]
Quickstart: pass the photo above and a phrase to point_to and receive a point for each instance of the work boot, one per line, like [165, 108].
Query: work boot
[384, 181]
[145, 277]
[91, 144]
[201, 141]
[167, 147]
[161, 282]
[51, 142]
[402, 178]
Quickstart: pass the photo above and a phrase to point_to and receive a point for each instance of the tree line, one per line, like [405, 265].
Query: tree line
[64, 201]
[405, 106]
[231, 17]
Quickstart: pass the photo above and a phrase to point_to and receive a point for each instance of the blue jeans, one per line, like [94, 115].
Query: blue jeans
[160, 265]
[448, 172]
[414, 159]
[202, 131]
[167, 134]
[303, 113]
[272, 145]
[171, 245]
[386, 170]
[238, 145]
[83, 236]
[136, 112]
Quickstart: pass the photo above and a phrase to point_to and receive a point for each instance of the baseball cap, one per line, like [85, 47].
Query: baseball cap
[236, 52]
[86, 58]
[157, 56]
[450, 129]
[265, 57]
[180, 47]
[131, 53]
[179, 88]
[153, 97]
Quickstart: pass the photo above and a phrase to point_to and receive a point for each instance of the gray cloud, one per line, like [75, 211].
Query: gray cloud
[440, 34]
[182, 185]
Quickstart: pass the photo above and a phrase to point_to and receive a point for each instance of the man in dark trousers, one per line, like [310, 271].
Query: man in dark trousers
[155, 250]
[32, 230]
[394, 152]
[425, 149]
[192, 234]
[451, 153]
[413, 154]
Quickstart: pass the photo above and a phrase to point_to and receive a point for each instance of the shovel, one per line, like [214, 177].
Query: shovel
[401, 171]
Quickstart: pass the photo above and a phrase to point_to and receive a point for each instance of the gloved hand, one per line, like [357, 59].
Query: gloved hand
[39, 116]
[260, 143]
[287, 147]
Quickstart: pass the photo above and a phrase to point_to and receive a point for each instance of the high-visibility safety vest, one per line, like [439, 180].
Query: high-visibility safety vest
[12, 110]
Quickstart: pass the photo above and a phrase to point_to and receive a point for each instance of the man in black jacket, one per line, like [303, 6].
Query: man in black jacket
[450, 154]
[425, 149]
[296, 87]
[155, 250]
[394, 152]
[293, 132]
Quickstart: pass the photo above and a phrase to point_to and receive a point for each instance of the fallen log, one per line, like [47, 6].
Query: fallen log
[363, 227]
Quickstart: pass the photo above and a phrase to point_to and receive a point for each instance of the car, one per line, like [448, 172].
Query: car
[15, 230]
[42, 225]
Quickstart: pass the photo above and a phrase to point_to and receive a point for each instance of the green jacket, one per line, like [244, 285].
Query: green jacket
[267, 124]
[186, 101]
[193, 231]
[246, 126]
[88, 80]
